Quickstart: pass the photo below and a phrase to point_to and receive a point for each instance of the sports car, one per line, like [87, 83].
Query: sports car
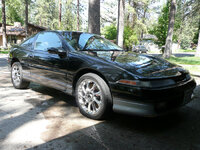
[102, 76]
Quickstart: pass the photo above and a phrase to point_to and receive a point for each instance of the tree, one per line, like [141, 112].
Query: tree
[94, 16]
[15, 11]
[26, 18]
[110, 32]
[4, 23]
[129, 37]
[45, 13]
[78, 21]
[120, 24]
[198, 47]
[108, 12]
[69, 16]
[168, 43]
[60, 13]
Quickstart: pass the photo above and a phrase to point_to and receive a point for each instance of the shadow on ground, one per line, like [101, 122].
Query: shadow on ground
[179, 130]
[3, 62]
[177, 55]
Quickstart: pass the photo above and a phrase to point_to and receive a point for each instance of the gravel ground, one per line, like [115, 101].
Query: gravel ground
[44, 118]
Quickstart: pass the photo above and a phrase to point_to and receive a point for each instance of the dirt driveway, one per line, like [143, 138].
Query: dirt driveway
[44, 118]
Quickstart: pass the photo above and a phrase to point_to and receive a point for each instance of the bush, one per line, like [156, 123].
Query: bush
[110, 32]
[130, 36]
[186, 43]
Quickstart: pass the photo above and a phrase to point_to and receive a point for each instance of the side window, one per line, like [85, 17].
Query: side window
[28, 43]
[47, 40]
[73, 39]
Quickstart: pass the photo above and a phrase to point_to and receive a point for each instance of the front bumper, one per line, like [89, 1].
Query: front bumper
[153, 102]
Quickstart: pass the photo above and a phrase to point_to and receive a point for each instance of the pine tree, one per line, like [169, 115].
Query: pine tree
[94, 16]
[168, 43]
[120, 25]
[4, 24]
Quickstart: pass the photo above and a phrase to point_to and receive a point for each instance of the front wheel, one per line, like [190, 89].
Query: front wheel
[93, 96]
[16, 77]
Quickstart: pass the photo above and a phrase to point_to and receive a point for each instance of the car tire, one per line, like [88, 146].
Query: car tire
[93, 96]
[17, 77]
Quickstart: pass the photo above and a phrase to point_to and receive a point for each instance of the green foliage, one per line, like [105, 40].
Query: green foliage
[130, 36]
[44, 13]
[69, 16]
[186, 50]
[186, 43]
[160, 29]
[196, 35]
[14, 11]
[110, 32]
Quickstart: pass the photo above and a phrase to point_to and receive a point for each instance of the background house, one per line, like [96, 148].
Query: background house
[16, 33]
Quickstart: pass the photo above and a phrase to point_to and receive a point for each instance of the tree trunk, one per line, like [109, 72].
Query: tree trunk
[120, 24]
[128, 16]
[78, 20]
[60, 13]
[198, 47]
[94, 16]
[168, 43]
[26, 18]
[143, 21]
[4, 24]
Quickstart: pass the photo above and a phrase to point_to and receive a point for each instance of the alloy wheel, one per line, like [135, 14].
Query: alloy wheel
[16, 75]
[90, 96]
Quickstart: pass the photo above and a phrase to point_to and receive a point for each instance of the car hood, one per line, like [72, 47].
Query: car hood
[143, 66]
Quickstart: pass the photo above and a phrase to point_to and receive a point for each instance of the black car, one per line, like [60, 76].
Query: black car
[102, 76]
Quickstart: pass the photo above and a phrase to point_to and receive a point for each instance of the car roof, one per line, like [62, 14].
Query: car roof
[61, 31]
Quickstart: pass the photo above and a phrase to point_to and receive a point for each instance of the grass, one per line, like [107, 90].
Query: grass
[186, 50]
[4, 51]
[190, 63]
[185, 60]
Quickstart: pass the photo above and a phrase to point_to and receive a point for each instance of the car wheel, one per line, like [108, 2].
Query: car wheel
[93, 96]
[16, 77]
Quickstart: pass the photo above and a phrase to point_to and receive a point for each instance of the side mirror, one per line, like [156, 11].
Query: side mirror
[61, 52]
[52, 50]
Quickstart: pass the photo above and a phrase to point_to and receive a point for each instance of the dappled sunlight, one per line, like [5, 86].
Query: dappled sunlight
[128, 132]
[45, 118]
[64, 117]
[25, 133]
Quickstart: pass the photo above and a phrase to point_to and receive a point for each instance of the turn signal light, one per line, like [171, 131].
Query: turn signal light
[127, 82]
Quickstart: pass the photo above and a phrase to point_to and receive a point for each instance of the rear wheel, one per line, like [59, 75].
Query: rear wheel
[16, 77]
[93, 96]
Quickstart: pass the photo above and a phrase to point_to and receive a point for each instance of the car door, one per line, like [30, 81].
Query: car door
[25, 54]
[50, 68]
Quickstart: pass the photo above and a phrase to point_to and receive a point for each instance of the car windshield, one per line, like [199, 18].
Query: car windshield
[89, 42]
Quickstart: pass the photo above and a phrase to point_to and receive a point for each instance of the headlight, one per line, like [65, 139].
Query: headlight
[135, 83]
[153, 83]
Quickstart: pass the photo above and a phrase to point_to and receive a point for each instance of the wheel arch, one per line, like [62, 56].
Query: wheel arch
[14, 60]
[84, 71]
